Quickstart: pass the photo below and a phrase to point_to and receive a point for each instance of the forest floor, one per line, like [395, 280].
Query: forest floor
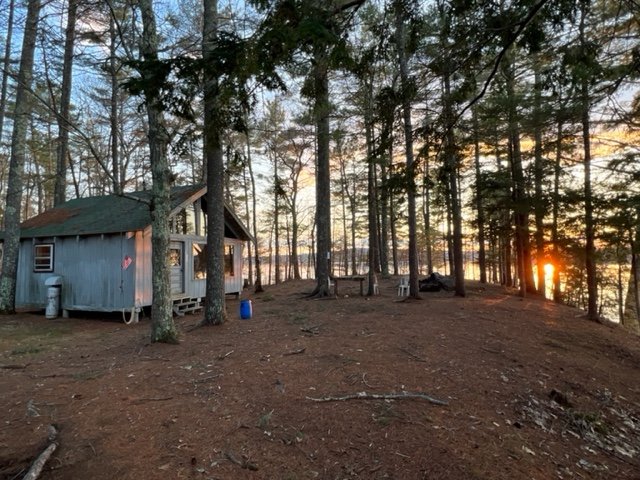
[532, 390]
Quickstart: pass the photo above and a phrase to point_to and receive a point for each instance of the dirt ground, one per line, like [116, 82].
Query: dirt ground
[532, 391]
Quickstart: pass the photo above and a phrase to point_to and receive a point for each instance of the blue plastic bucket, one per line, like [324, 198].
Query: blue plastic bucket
[245, 309]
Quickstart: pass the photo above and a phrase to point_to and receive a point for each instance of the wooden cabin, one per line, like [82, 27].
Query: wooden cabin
[100, 247]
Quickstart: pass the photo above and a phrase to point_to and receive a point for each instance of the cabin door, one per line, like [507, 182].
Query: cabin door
[176, 263]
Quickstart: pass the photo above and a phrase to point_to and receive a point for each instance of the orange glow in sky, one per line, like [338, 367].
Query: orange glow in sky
[548, 269]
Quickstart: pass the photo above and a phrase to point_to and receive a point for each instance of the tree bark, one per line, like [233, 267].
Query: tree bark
[323, 176]
[539, 209]
[520, 200]
[451, 166]
[408, 147]
[247, 213]
[114, 117]
[555, 213]
[631, 316]
[60, 185]
[258, 280]
[372, 207]
[480, 217]
[6, 63]
[384, 220]
[426, 210]
[162, 326]
[22, 113]
[590, 250]
[215, 308]
[276, 217]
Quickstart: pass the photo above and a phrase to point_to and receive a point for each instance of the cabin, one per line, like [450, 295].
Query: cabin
[98, 250]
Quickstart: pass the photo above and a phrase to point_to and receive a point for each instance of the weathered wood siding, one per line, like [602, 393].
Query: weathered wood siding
[91, 269]
[233, 284]
[142, 264]
[93, 277]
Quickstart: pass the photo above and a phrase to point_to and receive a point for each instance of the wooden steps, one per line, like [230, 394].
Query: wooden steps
[186, 305]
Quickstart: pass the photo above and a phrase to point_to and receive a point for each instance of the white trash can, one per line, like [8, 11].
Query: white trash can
[53, 296]
[53, 302]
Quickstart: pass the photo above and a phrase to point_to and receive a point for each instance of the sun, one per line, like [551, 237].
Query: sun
[548, 269]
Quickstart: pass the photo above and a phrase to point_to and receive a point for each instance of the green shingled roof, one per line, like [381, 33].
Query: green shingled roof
[111, 214]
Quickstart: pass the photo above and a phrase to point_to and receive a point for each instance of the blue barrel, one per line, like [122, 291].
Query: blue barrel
[245, 309]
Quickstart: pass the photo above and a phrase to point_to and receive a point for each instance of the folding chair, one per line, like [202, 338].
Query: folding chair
[403, 287]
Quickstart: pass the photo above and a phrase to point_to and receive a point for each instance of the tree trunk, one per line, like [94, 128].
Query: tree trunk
[276, 218]
[6, 64]
[258, 280]
[384, 221]
[295, 227]
[22, 113]
[426, 210]
[247, 213]
[451, 165]
[408, 147]
[114, 117]
[343, 206]
[482, 257]
[372, 207]
[555, 211]
[394, 235]
[520, 200]
[162, 326]
[215, 308]
[60, 186]
[631, 317]
[539, 209]
[323, 175]
[590, 250]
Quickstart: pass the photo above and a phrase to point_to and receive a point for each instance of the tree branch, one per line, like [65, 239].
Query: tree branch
[380, 396]
[521, 27]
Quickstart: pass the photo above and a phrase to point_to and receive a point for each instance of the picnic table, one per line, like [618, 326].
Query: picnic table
[352, 278]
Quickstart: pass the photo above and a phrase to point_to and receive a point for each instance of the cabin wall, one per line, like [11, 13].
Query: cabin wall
[196, 288]
[234, 284]
[142, 264]
[94, 277]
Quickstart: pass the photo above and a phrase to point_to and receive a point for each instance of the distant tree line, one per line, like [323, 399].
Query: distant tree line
[496, 136]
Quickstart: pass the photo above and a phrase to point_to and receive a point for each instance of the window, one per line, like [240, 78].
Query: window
[189, 221]
[43, 257]
[199, 261]
[228, 260]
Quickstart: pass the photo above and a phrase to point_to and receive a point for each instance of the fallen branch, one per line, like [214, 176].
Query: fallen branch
[150, 399]
[244, 463]
[38, 464]
[381, 396]
[222, 357]
[490, 350]
[313, 330]
[413, 356]
[206, 379]
[364, 380]
[294, 352]
[14, 367]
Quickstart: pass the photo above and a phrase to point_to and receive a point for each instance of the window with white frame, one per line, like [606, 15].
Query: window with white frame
[43, 257]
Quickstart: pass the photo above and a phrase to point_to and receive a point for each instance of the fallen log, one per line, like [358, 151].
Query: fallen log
[43, 458]
[380, 396]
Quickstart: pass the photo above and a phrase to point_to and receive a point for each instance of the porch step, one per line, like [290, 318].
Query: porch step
[186, 305]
